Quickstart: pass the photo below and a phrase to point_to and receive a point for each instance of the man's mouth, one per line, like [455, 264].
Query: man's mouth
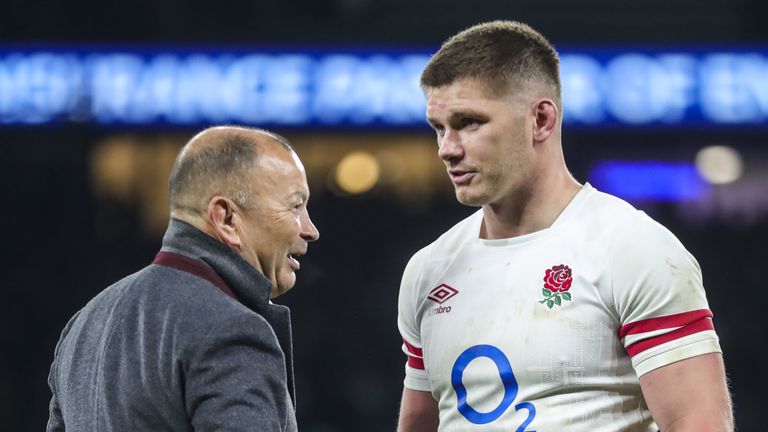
[461, 177]
[294, 261]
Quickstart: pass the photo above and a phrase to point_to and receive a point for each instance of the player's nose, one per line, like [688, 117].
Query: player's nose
[450, 147]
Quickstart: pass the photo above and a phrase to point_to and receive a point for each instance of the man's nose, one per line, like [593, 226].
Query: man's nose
[309, 231]
[450, 147]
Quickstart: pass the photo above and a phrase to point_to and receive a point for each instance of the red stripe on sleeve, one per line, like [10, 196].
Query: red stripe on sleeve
[412, 349]
[415, 359]
[698, 326]
[416, 362]
[669, 321]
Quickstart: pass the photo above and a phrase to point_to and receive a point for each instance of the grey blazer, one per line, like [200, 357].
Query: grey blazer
[190, 342]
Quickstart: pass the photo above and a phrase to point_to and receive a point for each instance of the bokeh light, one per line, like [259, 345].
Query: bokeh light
[719, 164]
[357, 172]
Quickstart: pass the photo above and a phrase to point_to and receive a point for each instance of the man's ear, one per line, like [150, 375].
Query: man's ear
[546, 113]
[224, 220]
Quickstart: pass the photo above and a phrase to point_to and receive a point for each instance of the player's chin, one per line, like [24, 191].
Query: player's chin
[470, 197]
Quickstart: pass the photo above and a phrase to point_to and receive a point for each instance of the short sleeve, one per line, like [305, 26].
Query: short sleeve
[407, 322]
[659, 296]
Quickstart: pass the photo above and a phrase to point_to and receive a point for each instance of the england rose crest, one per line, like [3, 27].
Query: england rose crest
[557, 283]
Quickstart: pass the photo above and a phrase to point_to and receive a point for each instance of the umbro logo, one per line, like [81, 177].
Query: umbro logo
[440, 295]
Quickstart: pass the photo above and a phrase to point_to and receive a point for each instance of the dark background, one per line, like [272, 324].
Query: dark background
[63, 243]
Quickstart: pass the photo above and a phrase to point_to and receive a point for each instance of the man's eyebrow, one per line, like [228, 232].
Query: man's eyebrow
[456, 115]
[301, 196]
[466, 113]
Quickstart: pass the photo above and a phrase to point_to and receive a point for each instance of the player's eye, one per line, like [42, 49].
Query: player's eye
[468, 122]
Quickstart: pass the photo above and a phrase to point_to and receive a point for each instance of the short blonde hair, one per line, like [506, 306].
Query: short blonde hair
[499, 53]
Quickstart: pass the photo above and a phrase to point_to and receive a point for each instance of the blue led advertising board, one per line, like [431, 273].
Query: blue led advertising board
[353, 89]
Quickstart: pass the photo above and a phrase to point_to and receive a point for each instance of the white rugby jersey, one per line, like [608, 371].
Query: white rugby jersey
[550, 331]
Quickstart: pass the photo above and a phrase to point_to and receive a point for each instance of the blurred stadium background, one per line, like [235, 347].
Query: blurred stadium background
[666, 105]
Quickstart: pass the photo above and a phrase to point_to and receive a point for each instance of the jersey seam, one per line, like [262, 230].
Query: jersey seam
[611, 239]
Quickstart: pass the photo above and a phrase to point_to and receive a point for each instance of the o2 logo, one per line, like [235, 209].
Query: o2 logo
[507, 378]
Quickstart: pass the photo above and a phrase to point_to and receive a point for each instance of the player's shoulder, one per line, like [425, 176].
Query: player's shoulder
[432, 258]
[602, 211]
[618, 224]
[455, 238]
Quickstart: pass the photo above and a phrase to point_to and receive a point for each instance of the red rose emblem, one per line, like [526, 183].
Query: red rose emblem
[557, 282]
[558, 278]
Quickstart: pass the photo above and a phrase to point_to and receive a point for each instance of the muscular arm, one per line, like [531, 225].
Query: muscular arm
[418, 412]
[690, 395]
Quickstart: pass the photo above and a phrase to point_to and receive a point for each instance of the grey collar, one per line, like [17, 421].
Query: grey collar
[251, 287]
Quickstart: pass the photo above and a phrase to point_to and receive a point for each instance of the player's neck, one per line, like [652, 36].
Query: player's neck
[530, 209]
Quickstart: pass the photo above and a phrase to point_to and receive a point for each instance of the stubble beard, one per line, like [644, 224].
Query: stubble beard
[493, 185]
[472, 195]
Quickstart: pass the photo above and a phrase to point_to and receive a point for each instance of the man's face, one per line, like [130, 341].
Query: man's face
[484, 140]
[277, 231]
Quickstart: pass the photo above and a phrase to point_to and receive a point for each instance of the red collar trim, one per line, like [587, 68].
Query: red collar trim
[194, 267]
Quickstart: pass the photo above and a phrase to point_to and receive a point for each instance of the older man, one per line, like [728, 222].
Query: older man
[192, 342]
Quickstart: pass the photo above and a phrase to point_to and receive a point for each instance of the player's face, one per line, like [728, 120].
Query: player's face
[277, 231]
[485, 140]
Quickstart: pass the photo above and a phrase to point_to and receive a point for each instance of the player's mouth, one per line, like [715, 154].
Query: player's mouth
[461, 177]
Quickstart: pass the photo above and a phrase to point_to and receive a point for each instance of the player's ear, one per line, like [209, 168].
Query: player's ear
[224, 218]
[546, 113]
